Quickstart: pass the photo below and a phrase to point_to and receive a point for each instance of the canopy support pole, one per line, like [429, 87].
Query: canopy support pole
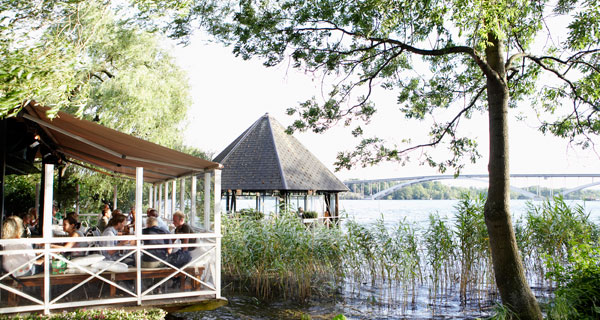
[217, 214]
[115, 198]
[159, 202]
[173, 199]
[47, 231]
[77, 201]
[182, 194]
[139, 185]
[2, 170]
[150, 195]
[164, 214]
[193, 201]
[207, 175]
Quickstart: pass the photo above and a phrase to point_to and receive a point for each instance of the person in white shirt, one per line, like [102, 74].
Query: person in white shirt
[23, 263]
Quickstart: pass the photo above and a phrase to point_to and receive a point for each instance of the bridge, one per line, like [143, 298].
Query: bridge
[387, 186]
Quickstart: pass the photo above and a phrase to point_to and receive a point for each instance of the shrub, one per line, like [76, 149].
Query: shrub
[309, 215]
[105, 314]
[578, 293]
[251, 213]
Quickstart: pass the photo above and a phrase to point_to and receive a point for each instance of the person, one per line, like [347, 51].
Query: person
[114, 226]
[73, 214]
[71, 227]
[105, 216]
[181, 227]
[161, 223]
[23, 264]
[30, 221]
[162, 253]
[130, 221]
[300, 212]
[56, 215]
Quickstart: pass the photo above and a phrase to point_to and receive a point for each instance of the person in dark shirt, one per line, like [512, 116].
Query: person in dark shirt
[182, 227]
[161, 253]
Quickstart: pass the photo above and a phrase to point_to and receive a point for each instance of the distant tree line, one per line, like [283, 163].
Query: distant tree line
[435, 190]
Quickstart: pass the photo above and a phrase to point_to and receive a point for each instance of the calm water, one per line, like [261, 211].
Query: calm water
[365, 303]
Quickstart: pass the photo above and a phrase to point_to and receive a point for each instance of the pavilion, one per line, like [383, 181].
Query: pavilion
[265, 162]
[33, 135]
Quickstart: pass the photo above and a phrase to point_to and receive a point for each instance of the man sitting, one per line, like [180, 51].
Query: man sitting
[161, 223]
[182, 227]
[116, 225]
[161, 253]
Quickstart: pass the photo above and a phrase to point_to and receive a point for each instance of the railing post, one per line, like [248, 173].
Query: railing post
[217, 214]
[139, 185]
[47, 231]
[207, 175]
[193, 202]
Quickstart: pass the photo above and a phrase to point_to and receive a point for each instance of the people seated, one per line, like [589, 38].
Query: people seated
[114, 226]
[162, 253]
[161, 223]
[71, 227]
[20, 263]
[182, 227]
[105, 216]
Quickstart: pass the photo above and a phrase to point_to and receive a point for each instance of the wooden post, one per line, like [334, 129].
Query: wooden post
[47, 231]
[77, 201]
[37, 199]
[115, 198]
[193, 202]
[217, 215]
[139, 185]
[207, 175]
[173, 199]
[182, 195]
[164, 214]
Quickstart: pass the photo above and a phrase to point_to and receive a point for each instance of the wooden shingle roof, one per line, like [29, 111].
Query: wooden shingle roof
[265, 158]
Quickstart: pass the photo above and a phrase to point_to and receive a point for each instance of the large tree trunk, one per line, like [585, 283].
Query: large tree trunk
[508, 266]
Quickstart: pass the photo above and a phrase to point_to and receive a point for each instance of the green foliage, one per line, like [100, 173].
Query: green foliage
[250, 214]
[578, 293]
[279, 257]
[97, 314]
[472, 241]
[438, 239]
[19, 194]
[309, 215]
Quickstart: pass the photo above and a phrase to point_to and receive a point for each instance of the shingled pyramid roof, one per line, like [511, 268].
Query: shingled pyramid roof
[265, 158]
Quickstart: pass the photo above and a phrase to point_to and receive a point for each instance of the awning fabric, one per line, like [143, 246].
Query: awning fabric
[112, 150]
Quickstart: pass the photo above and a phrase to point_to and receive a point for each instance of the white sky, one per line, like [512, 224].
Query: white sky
[229, 94]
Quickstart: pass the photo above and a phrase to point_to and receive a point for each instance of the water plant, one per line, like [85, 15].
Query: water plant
[440, 254]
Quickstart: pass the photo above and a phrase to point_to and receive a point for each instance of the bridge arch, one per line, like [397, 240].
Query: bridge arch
[390, 190]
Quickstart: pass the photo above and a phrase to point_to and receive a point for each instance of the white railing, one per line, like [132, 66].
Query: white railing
[135, 286]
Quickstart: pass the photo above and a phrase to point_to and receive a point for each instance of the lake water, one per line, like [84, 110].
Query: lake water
[361, 304]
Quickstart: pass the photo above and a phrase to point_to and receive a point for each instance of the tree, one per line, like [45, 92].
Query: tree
[479, 56]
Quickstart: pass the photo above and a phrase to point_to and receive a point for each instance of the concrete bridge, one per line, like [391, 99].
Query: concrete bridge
[387, 186]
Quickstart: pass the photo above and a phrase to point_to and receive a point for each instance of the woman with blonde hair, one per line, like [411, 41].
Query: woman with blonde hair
[21, 263]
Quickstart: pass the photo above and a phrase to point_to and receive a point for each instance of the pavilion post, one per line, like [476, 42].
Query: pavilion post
[207, 175]
[164, 215]
[182, 194]
[37, 199]
[3, 149]
[154, 194]
[158, 205]
[193, 201]
[115, 198]
[77, 200]
[139, 185]
[47, 231]
[217, 214]
[173, 199]
[150, 195]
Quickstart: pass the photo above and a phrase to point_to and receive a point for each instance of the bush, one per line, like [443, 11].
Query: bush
[105, 314]
[251, 213]
[309, 215]
[578, 293]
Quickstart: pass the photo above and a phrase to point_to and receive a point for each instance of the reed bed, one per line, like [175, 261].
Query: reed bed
[282, 257]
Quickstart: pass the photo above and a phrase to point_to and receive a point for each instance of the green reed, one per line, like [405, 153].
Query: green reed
[438, 239]
[279, 256]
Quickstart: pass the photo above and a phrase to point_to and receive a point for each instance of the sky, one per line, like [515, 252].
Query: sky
[229, 94]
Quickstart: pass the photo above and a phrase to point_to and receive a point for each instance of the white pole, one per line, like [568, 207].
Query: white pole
[207, 200]
[47, 231]
[164, 214]
[37, 199]
[115, 198]
[77, 201]
[160, 193]
[193, 202]
[150, 195]
[173, 199]
[139, 185]
[217, 212]
[154, 195]
[182, 194]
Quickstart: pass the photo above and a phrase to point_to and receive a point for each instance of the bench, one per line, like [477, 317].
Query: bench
[76, 278]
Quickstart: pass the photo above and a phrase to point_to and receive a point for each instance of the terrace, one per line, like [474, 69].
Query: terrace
[73, 283]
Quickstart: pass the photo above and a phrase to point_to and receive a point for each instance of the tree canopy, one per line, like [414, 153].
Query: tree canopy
[445, 60]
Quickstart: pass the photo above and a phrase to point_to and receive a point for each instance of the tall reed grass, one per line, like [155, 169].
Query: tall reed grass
[282, 257]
